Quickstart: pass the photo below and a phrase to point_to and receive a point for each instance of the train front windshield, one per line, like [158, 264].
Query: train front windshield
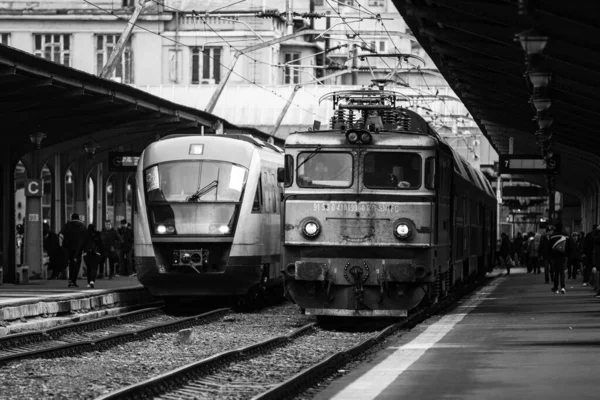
[194, 197]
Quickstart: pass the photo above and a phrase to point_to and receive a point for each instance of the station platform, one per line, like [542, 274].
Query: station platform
[42, 304]
[512, 339]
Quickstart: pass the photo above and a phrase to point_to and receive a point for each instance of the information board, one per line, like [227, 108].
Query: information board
[123, 161]
[528, 164]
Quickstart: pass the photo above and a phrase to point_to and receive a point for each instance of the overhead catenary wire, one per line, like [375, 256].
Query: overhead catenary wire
[221, 64]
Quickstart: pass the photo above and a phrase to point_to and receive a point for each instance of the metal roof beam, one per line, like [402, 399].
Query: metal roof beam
[495, 12]
[25, 87]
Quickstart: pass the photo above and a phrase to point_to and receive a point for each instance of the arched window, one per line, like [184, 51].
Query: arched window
[47, 195]
[110, 199]
[69, 194]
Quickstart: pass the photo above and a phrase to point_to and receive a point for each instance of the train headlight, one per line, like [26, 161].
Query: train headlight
[224, 229]
[352, 137]
[163, 229]
[311, 228]
[404, 229]
[365, 137]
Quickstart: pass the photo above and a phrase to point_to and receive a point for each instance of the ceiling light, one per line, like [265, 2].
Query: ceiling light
[532, 41]
[541, 103]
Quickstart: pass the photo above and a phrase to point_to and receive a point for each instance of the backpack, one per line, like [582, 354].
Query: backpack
[560, 246]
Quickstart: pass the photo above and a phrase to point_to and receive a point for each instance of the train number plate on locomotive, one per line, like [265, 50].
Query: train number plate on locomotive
[358, 207]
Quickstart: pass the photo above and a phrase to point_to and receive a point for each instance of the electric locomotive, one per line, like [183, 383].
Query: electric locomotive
[208, 216]
[379, 213]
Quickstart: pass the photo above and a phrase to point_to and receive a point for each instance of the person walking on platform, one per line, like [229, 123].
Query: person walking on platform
[561, 247]
[505, 252]
[93, 253]
[596, 260]
[73, 239]
[111, 242]
[575, 260]
[588, 251]
[544, 253]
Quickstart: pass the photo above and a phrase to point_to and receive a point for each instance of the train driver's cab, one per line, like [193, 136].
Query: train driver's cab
[387, 170]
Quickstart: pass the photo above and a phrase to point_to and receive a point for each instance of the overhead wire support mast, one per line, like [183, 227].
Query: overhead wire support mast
[115, 55]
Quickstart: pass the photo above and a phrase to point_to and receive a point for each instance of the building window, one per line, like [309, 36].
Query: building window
[206, 65]
[123, 71]
[53, 47]
[4, 38]
[291, 75]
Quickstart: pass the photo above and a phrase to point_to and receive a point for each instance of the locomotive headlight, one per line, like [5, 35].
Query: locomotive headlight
[171, 229]
[310, 228]
[365, 137]
[161, 229]
[404, 228]
[352, 137]
[224, 229]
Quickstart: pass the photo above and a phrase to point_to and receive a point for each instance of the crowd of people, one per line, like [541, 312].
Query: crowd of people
[76, 243]
[560, 255]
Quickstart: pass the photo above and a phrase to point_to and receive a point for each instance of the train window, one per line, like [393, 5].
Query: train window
[392, 170]
[325, 169]
[289, 170]
[430, 173]
[257, 204]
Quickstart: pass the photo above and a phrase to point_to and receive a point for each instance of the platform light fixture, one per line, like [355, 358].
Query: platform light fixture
[539, 78]
[543, 120]
[532, 41]
[36, 138]
[541, 103]
[90, 148]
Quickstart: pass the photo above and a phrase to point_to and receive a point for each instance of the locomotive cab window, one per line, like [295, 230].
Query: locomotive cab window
[324, 169]
[386, 170]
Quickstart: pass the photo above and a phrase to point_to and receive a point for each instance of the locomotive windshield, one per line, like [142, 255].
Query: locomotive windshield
[325, 169]
[194, 197]
[392, 170]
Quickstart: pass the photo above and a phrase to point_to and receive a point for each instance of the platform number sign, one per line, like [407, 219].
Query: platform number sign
[33, 188]
[123, 161]
[528, 164]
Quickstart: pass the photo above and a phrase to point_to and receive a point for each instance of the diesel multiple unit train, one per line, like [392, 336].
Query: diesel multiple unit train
[368, 218]
[208, 220]
[379, 213]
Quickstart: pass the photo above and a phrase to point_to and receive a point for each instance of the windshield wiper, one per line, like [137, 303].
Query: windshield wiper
[201, 192]
[311, 155]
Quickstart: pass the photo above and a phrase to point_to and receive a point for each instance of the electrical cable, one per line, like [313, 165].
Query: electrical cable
[222, 65]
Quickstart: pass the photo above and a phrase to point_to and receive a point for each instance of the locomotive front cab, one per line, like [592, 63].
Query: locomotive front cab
[358, 223]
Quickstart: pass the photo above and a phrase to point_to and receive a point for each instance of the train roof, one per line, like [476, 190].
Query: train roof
[337, 139]
[242, 137]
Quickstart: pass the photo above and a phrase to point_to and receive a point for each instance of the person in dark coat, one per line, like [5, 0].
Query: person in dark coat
[575, 259]
[125, 260]
[111, 242]
[51, 245]
[73, 239]
[588, 251]
[518, 248]
[559, 259]
[544, 254]
[596, 258]
[93, 253]
[505, 252]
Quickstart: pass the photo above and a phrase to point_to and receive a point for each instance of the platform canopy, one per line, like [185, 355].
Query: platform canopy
[70, 107]
[475, 44]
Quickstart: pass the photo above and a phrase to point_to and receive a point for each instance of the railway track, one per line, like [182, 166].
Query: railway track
[275, 368]
[97, 334]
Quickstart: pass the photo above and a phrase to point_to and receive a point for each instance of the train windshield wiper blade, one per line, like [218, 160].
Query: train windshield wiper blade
[201, 192]
[311, 155]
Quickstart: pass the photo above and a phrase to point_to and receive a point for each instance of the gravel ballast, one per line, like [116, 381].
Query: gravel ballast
[93, 374]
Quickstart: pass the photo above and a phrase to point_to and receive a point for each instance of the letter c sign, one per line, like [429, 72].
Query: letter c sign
[33, 188]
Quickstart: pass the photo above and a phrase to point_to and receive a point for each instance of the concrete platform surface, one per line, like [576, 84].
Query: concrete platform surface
[513, 339]
[41, 304]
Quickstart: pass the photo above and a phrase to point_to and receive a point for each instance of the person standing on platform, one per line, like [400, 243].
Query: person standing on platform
[111, 241]
[596, 260]
[93, 253]
[544, 253]
[575, 260]
[533, 253]
[561, 247]
[51, 245]
[73, 239]
[125, 263]
[505, 252]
